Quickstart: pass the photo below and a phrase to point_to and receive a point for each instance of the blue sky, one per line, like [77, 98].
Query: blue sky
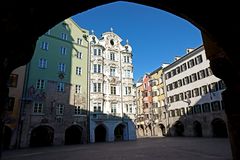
[156, 36]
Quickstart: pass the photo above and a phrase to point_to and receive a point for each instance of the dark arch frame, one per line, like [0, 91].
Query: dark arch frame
[197, 129]
[73, 135]
[219, 128]
[219, 30]
[42, 135]
[100, 133]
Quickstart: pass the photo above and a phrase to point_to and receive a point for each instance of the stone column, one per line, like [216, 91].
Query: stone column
[229, 73]
[4, 76]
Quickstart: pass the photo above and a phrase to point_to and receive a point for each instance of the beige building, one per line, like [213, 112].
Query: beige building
[13, 118]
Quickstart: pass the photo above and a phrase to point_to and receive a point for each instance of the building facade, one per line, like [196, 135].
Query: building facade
[11, 121]
[112, 100]
[55, 98]
[150, 101]
[194, 105]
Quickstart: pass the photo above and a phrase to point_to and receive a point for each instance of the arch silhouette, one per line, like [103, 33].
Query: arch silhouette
[100, 133]
[219, 29]
[219, 128]
[42, 136]
[197, 129]
[73, 135]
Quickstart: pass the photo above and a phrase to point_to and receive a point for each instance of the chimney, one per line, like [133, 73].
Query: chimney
[188, 50]
[177, 58]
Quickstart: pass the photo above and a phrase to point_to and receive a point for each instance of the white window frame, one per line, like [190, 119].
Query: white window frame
[60, 87]
[60, 109]
[78, 71]
[79, 55]
[64, 36]
[78, 89]
[40, 84]
[77, 110]
[62, 67]
[63, 50]
[37, 107]
[112, 71]
[42, 63]
[97, 107]
[44, 45]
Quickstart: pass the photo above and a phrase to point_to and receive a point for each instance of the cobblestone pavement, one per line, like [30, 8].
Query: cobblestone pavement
[169, 148]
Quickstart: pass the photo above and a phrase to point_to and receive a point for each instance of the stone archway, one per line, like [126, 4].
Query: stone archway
[219, 128]
[163, 129]
[73, 135]
[42, 136]
[219, 30]
[178, 129]
[100, 133]
[197, 129]
[7, 134]
[118, 132]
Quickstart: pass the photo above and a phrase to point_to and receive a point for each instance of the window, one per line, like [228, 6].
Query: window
[97, 87]
[198, 59]
[197, 109]
[221, 85]
[97, 68]
[204, 89]
[79, 41]
[214, 87]
[64, 36]
[183, 67]
[79, 55]
[61, 67]
[188, 94]
[42, 63]
[78, 70]
[113, 90]
[190, 110]
[11, 101]
[77, 110]
[113, 108]
[191, 63]
[44, 46]
[208, 71]
[215, 106]
[63, 50]
[130, 108]
[78, 89]
[37, 107]
[60, 87]
[181, 96]
[179, 83]
[128, 90]
[155, 104]
[12, 81]
[126, 59]
[59, 109]
[112, 56]
[127, 73]
[40, 84]
[206, 107]
[186, 80]
[97, 52]
[202, 74]
[112, 71]
[194, 77]
[196, 92]
[97, 107]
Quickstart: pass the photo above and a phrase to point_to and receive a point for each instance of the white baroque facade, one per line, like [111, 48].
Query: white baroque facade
[112, 99]
[194, 103]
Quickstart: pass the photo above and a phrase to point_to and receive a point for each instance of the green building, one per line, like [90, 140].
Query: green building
[55, 95]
